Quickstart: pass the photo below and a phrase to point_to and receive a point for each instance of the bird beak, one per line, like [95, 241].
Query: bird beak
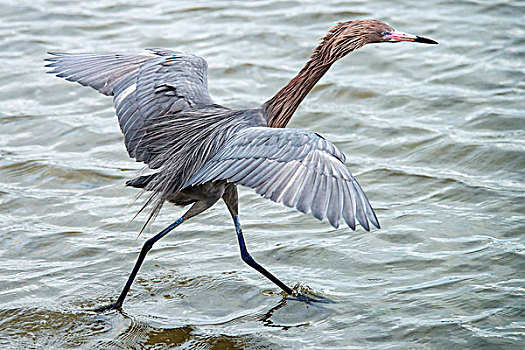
[396, 36]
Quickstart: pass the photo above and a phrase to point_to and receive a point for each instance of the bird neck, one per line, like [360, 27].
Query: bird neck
[281, 107]
[342, 39]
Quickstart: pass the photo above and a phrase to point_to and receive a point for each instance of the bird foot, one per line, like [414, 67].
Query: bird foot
[310, 299]
[114, 306]
[308, 296]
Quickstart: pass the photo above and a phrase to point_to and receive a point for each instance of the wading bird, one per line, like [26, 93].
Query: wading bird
[201, 151]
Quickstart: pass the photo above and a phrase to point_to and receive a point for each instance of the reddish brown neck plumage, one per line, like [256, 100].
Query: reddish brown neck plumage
[281, 107]
[340, 40]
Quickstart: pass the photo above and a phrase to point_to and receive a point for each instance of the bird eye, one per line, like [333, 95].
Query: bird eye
[385, 33]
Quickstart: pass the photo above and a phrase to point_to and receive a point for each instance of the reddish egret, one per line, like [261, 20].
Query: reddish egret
[200, 150]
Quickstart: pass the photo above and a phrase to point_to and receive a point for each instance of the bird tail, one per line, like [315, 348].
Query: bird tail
[141, 181]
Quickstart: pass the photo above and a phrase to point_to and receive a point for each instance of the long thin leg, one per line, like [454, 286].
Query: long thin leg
[197, 208]
[247, 258]
[145, 249]
[231, 199]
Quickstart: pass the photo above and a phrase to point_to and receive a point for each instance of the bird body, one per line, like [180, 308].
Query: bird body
[199, 150]
[173, 126]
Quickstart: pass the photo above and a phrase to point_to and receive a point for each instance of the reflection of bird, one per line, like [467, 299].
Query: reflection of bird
[201, 150]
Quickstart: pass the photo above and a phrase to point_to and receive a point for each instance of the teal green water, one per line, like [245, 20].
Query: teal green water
[434, 134]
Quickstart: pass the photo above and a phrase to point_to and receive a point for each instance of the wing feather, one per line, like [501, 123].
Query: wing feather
[101, 72]
[302, 201]
[334, 209]
[349, 206]
[320, 198]
[296, 167]
[257, 179]
[144, 87]
[249, 167]
[289, 193]
[265, 189]
[359, 212]
[284, 180]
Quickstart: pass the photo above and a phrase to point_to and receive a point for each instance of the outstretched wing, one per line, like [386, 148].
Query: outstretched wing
[143, 86]
[296, 167]
[101, 72]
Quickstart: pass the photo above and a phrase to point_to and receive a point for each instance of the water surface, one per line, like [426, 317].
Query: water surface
[434, 134]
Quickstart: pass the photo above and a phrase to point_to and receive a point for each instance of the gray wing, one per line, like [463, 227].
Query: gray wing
[101, 72]
[143, 86]
[296, 167]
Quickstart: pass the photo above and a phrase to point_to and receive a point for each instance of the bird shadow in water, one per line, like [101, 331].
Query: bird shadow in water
[138, 332]
[296, 311]
[302, 294]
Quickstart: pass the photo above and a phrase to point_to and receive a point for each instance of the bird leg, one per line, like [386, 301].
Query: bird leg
[197, 208]
[247, 258]
[145, 249]
[231, 199]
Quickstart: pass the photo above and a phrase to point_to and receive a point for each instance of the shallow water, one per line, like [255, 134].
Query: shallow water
[434, 135]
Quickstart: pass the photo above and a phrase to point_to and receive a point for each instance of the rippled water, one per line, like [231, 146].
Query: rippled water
[434, 134]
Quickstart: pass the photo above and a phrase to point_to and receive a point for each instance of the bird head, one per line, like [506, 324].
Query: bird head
[379, 32]
[346, 37]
